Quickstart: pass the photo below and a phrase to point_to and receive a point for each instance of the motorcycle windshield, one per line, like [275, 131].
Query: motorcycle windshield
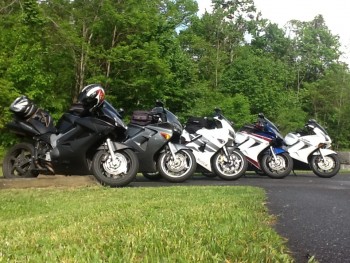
[271, 127]
[221, 116]
[173, 120]
[316, 124]
[109, 112]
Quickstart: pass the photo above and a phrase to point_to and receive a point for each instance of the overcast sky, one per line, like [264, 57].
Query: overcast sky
[336, 14]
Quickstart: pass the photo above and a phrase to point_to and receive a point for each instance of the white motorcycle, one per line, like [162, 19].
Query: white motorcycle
[310, 148]
[212, 143]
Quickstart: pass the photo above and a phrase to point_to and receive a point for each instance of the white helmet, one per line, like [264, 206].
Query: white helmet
[23, 106]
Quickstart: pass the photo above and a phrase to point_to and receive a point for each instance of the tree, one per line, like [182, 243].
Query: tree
[260, 78]
[327, 101]
[212, 39]
[315, 48]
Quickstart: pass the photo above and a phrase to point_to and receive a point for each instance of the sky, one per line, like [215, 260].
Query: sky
[336, 14]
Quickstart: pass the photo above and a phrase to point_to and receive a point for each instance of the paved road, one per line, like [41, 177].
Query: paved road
[313, 213]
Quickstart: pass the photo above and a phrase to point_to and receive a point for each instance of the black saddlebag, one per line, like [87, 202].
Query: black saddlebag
[142, 118]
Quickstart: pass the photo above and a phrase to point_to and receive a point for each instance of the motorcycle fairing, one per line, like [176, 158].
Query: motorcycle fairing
[147, 141]
[324, 152]
[71, 149]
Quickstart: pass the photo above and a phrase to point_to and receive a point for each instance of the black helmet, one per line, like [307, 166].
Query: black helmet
[23, 106]
[92, 96]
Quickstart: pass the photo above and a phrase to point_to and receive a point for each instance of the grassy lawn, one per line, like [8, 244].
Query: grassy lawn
[166, 224]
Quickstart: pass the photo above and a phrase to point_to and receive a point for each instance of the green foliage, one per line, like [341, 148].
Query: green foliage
[197, 224]
[328, 102]
[260, 78]
[235, 108]
[143, 50]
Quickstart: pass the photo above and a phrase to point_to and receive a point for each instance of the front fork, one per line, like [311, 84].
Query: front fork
[172, 150]
[273, 153]
[111, 150]
[227, 155]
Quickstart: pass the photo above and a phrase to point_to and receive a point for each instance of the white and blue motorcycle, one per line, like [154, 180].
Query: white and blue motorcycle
[262, 144]
[310, 148]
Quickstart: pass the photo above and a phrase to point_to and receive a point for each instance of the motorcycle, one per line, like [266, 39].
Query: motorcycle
[262, 144]
[87, 139]
[310, 148]
[155, 137]
[212, 142]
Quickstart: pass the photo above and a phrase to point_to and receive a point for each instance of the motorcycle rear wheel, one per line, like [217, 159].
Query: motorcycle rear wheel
[18, 162]
[178, 170]
[152, 176]
[279, 168]
[325, 167]
[115, 174]
[230, 169]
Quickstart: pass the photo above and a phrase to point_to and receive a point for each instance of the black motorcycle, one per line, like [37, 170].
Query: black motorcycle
[155, 137]
[83, 142]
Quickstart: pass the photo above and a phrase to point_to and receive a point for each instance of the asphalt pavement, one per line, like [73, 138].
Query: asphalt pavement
[313, 213]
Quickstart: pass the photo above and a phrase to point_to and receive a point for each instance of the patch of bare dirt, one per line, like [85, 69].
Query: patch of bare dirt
[44, 181]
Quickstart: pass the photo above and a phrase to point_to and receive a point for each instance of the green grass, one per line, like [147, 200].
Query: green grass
[167, 224]
[2, 154]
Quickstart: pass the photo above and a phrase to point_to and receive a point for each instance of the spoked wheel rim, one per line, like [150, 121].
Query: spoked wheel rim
[326, 166]
[18, 163]
[116, 172]
[230, 166]
[114, 169]
[177, 167]
[277, 165]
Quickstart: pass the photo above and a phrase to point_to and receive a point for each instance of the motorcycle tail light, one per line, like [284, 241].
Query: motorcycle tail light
[165, 135]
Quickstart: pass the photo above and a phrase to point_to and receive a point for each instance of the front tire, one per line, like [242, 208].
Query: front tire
[230, 169]
[279, 168]
[325, 167]
[179, 169]
[18, 162]
[119, 173]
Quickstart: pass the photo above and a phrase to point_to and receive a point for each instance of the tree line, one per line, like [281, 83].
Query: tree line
[143, 50]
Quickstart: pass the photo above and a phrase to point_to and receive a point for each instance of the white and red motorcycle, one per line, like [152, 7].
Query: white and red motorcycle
[310, 148]
[212, 143]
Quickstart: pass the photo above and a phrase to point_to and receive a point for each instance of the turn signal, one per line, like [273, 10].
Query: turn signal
[321, 145]
[166, 136]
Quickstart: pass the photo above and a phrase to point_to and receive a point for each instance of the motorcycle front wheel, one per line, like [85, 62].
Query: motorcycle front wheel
[232, 168]
[325, 167]
[277, 168]
[18, 162]
[179, 169]
[115, 173]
